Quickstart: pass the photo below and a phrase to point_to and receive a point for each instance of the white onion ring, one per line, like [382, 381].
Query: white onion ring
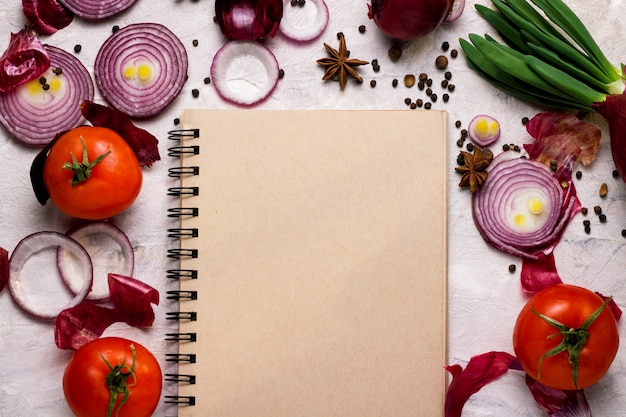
[31, 245]
[37, 120]
[83, 235]
[149, 44]
[304, 23]
[491, 206]
[97, 9]
[244, 72]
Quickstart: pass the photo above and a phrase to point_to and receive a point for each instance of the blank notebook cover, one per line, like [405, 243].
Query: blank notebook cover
[321, 263]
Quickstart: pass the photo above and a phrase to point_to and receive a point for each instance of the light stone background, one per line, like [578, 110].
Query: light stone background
[484, 298]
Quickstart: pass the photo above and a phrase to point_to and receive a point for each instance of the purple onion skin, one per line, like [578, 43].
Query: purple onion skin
[613, 109]
[407, 20]
[249, 20]
[46, 16]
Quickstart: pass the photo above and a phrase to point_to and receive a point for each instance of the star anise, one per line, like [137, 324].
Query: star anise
[338, 66]
[473, 169]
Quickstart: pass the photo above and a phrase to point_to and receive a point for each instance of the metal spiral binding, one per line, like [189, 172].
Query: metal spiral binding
[182, 150]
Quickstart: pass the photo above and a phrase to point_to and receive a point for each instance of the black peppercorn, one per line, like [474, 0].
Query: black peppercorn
[195, 92]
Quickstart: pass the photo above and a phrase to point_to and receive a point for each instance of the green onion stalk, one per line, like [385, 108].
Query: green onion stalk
[548, 57]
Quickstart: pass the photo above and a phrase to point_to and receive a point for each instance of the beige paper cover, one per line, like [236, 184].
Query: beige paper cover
[322, 264]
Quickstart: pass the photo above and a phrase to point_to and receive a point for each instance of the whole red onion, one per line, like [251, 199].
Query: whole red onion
[407, 20]
[248, 20]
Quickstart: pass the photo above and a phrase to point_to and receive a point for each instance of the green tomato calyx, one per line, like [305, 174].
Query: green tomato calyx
[573, 342]
[82, 170]
[117, 382]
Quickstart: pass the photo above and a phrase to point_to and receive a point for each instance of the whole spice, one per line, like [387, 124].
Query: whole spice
[409, 80]
[473, 172]
[338, 66]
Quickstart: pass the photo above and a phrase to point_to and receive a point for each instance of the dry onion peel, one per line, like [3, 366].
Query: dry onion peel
[47, 16]
[132, 304]
[304, 23]
[33, 244]
[141, 69]
[96, 238]
[35, 112]
[244, 72]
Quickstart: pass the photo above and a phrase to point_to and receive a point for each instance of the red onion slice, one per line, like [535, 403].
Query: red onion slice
[304, 23]
[110, 252]
[141, 68]
[34, 115]
[483, 130]
[522, 209]
[244, 72]
[97, 9]
[34, 292]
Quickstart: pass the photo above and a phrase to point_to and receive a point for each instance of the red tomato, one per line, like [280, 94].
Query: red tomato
[109, 188]
[85, 379]
[571, 306]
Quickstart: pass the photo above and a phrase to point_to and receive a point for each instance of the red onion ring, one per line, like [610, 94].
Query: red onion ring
[34, 115]
[97, 9]
[483, 130]
[244, 72]
[105, 260]
[513, 191]
[141, 68]
[31, 245]
[304, 23]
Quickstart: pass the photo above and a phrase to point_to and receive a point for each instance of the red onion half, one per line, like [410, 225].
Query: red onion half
[97, 9]
[46, 306]
[34, 113]
[248, 20]
[407, 20]
[141, 68]
[522, 209]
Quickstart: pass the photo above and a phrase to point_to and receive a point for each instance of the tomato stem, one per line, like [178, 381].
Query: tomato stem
[82, 170]
[574, 340]
[116, 381]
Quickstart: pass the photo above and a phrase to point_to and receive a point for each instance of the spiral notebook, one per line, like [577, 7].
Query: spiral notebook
[312, 263]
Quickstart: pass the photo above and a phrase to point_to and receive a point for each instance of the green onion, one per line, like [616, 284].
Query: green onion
[548, 57]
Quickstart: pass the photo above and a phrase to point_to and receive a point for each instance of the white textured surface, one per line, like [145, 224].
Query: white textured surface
[484, 298]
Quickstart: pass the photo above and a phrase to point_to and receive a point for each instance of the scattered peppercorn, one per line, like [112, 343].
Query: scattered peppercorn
[46, 87]
[429, 91]
[294, 2]
[419, 102]
[470, 147]
[457, 124]
[301, 3]
[454, 53]
[525, 120]
[413, 106]
[506, 147]
[77, 48]
[597, 209]
[362, 29]
[460, 142]
[586, 223]
[375, 65]
[194, 42]
[429, 82]
[281, 73]
[441, 62]
[176, 121]
[394, 82]
[447, 75]
[407, 101]
[395, 52]
[57, 71]
[615, 173]
[433, 97]
[463, 133]
[602, 218]
[42, 80]
[445, 46]
[587, 229]
[623, 232]
[372, 83]
[512, 268]
[444, 83]
[460, 160]
[451, 87]
[421, 85]
[195, 92]
[427, 106]
[584, 211]
[409, 80]
[445, 97]
[115, 28]
[579, 174]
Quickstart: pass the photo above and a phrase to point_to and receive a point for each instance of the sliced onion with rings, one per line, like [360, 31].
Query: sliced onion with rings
[97, 9]
[36, 111]
[32, 287]
[304, 23]
[522, 208]
[110, 252]
[244, 72]
[141, 68]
